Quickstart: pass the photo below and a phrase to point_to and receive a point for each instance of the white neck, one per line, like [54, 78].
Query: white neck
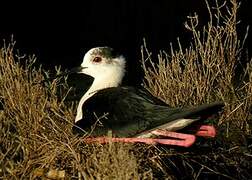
[106, 80]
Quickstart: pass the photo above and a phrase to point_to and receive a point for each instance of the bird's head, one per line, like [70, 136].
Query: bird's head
[102, 63]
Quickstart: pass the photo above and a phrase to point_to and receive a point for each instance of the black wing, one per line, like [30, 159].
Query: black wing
[128, 111]
[147, 95]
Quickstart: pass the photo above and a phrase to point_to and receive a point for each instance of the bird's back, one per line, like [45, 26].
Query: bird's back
[128, 111]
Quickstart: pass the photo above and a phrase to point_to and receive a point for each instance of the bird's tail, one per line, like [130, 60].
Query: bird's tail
[186, 117]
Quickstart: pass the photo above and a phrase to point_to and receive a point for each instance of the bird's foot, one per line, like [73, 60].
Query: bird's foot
[203, 131]
[171, 138]
[186, 142]
[206, 131]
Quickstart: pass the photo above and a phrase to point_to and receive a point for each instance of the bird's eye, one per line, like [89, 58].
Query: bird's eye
[97, 59]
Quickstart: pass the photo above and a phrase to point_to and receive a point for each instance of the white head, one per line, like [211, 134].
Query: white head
[107, 70]
[104, 66]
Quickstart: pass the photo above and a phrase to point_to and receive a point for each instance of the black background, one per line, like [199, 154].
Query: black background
[60, 33]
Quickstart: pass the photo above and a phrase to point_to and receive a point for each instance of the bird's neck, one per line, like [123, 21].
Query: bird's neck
[107, 80]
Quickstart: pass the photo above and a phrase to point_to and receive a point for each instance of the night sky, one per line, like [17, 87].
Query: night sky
[61, 33]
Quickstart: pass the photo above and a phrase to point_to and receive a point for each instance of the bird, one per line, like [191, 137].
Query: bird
[127, 111]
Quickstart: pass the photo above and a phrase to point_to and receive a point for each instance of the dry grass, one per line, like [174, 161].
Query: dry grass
[206, 71]
[35, 126]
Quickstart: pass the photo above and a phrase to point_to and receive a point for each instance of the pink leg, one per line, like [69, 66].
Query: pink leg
[203, 130]
[206, 131]
[180, 139]
[184, 140]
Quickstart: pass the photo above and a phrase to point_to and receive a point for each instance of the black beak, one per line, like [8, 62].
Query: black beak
[76, 70]
[71, 71]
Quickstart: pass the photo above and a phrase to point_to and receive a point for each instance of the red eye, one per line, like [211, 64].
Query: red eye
[97, 59]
